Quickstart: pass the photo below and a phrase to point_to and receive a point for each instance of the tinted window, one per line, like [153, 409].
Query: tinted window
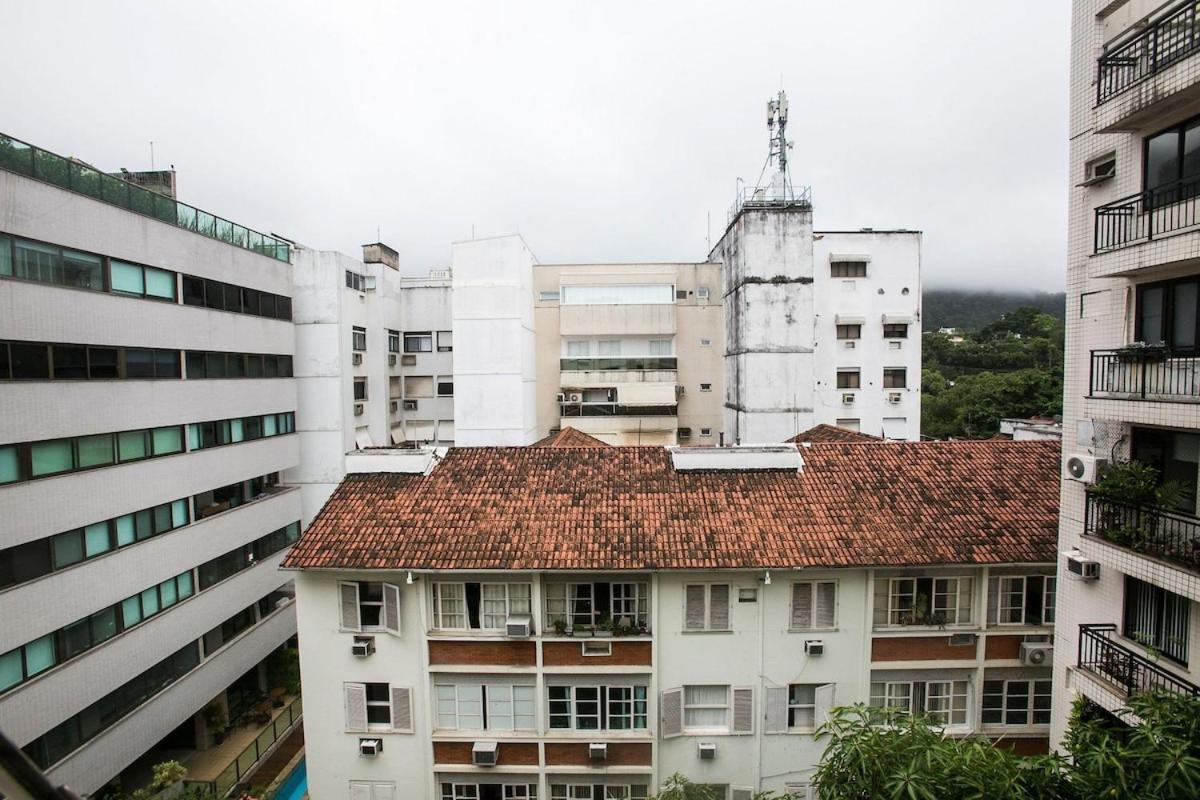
[30, 361]
[70, 362]
[1162, 159]
[214, 294]
[102, 362]
[193, 291]
[139, 363]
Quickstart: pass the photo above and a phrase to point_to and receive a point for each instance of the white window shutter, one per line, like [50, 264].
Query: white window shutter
[391, 608]
[402, 709]
[743, 709]
[718, 611]
[801, 606]
[671, 708]
[826, 592]
[693, 615]
[356, 707]
[776, 702]
[360, 790]
[823, 703]
[993, 600]
[383, 791]
[348, 592]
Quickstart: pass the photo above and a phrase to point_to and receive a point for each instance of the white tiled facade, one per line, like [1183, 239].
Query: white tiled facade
[1105, 269]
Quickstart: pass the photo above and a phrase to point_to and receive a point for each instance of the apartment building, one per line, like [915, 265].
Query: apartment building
[580, 621]
[1130, 579]
[146, 360]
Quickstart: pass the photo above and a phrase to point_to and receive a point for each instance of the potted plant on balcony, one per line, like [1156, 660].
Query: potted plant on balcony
[217, 722]
[561, 628]
[604, 628]
[1142, 351]
[1132, 500]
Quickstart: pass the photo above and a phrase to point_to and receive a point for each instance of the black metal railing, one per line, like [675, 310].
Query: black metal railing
[1141, 217]
[1160, 44]
[1136, 674]
[1169, 535]
[616, 410]
[76, 176]
[1145, 373]
[642, 363]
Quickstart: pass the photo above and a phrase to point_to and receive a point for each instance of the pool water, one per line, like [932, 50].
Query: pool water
[295, 785]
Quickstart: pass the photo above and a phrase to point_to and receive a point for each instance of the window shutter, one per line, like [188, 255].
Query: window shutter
[349, 597]
[383, 791]
[402, 709]
[741, 793]
[356, 707]
[743, 710]
[826, 604]
[823, 703]
[776, 701]
[391, 608]
[993, 604]
[360, 791]
[671, 707]
[693, 617]
[718, 610]
[801, 606]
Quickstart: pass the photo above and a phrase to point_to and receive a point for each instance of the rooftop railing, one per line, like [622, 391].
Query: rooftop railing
[250, 755]
[1136, 674]
[1168, 535]
[76, 176]
[1149, 373]
[1164, 41]
[638, 363]
[1141, 217]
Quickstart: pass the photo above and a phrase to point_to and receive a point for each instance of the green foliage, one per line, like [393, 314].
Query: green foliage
[974, 405]
[283, 669]
[1137, 483]
[972, 310]
[678, 787]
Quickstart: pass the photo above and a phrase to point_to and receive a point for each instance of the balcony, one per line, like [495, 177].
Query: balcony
[605, 409]
[1135, 674]
[1168, 535]
[1145, 373]
[1165, 210]
[634, 364]
[1163, 42]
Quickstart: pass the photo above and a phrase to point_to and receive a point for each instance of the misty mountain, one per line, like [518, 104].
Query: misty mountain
[972, 309]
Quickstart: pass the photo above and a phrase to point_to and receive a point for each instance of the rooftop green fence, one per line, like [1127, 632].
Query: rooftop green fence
[68, 173]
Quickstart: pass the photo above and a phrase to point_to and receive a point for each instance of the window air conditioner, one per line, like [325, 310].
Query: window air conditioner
[848, 398]
[685, 433]
[962, 639]
[410, 405]
[1084, 468]
[370, 747]
[358, 409]
[394, 405]
[391, 359]
[408, 361]
[1037, 654]
[1082, 567]
[363, 646]
[484, 754]
[519, 625]
[895, 397]
[575, 397]
[814, 647]
[357, 359]
[850, 344]
[708, 750]
[598, 750]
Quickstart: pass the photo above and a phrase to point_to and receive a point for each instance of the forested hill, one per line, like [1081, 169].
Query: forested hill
[972, 310]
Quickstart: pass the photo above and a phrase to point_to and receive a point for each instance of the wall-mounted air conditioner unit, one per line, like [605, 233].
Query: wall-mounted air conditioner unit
[356, 359]
[408, 361]
[708, 750]
[814, 647]
[574, 397]
[895, 397]
[358, 409]
[850, 344]
[1084, 468]
[485, 754]
[394, 405]
[363, 646]
[1037, 654]
[391, 359]
[848, 398]
[1082, 568]
[370, 747]
[598, 750]
[519, 625]
[410, 405]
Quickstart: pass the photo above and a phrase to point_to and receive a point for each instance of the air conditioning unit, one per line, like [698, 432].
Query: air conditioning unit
[408, 361]
[410, 405]
[519, 625]
[391, 359]
[708, 750]
[370, 747]
[1037, 654]
[1083, 468]
[962, 639]
[598, 750]
[850, 344]
[895, 397]
[685, 433]
[484, 754]
[394, 405]
[363, 646]
[848, 398]
[1082, 567]
[358, 409]
[575, 397]
[814, 647]
[357, 359]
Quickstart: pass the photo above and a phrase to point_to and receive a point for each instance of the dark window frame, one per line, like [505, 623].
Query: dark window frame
[1168, 313]
[895, 330]
[849, 332]
[889, 377]
[849, 379]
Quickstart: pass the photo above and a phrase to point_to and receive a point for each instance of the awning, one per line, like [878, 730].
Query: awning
[646, 394]
[363, 439]
[397, 434]
[836, 257]
[898, 319]
[850, 319]
[895, 427]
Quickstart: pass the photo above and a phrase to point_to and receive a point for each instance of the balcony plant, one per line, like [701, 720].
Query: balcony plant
[217, 722]
[561, 628]
[1131, 517]
[1142, 351]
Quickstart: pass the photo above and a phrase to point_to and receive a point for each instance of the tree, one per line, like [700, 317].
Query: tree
[678, 787]
[974, 405]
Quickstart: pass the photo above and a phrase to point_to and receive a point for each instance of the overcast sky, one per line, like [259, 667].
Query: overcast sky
[605, 131]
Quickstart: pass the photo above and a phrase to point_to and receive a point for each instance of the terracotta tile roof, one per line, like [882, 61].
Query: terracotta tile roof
[831, 433]
[570, 437]
[627, 508]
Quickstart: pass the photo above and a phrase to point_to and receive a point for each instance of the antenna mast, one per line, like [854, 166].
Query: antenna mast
[777, 118]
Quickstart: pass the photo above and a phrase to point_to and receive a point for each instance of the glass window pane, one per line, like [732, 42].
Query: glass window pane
[83, 270]
[102, 363]
[96, 540]
[30, 362]
[104, 624]
[214, 294]
[236, 433]
[1162, 159]
[132, 445]
[139, 363]
[166, 364]
[76, 638]
[166, 590]
[68, 549]
[95, 451]
[1150, 329]
[1186, 304]
[179, 513]
[39, 655]
[10, 669]
[193, 291]
[162, 518]
[37, 262]
[150, 601]
[127, 278]
[214, 365]
[125, 530]
[269, 425]
[9, 465]
[70, 362]
[50, 458]
[131, 611]
[5, 268]
[160, 283]
[183, 584]
[167, 440]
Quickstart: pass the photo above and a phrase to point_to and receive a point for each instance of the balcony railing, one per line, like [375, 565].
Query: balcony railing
[252, 753]
[1136, 674]
[616, 410]
[1141, 217]
[67, 173]
[636, 363]
[1163, 42]
[1145, 374]
[1168, 535]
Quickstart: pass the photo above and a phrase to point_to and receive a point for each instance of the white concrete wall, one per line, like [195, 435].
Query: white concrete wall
[426, 306]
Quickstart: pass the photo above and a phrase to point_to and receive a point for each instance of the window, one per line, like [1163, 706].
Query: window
[58, 456]
[475, 707]
[202, 365]
[358, 339]
[445, 386]
[924, 601]
[706, 342]
[641, 294]
[658, 347]
[1168, 313]
[748, 594]
[32, 361]
[702, 293]
[895, 377]
[608, 348]
[849, 331]
[814, 605]
[355, 281]
[379, 706]
[706, 387]
[141, 281]
[445, 341]
[585, 604]
[1100, 169]
[370, 604]
[1172, 163]
[848, 269]
[802, 706]
[848, 379]
[588, 791]
[706, 708]
[418, 342]
[1021, 702]
[944, 702]
[360, 389]
[550, 296]
[893, 330]
[706, 432]
[706, 607]
[393, 338]
[238, 299]
[1155, 617]
[478, 606]
[578, 348]
[594, 708]
[368, 790]
[1021, 599]
[46, 263]
[849, 424]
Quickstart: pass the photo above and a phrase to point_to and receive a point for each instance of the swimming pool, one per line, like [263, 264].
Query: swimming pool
[295, 785]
